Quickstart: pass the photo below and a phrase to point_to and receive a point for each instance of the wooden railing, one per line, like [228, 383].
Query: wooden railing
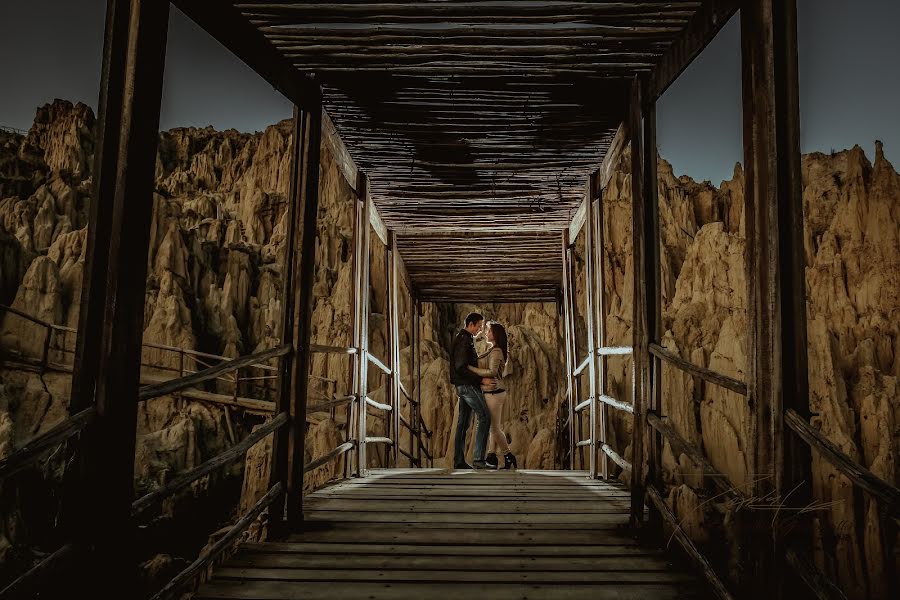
[259, 387]
[35, 449]
[188, 382]
[597, 441]
[816, 581]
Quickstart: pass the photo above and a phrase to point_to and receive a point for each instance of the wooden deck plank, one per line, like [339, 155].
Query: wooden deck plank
[466, 518]
[451, 563]
[471, 550]
[282, 590]
[529, 506]
[439, 533]
[495, 575]
[467, 536]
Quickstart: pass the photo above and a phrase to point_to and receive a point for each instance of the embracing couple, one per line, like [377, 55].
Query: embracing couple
[479, 385]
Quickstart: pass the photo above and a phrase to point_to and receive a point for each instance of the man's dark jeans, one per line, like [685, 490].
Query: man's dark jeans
[471, 399]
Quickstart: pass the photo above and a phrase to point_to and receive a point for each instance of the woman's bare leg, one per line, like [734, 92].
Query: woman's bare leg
[498, 441]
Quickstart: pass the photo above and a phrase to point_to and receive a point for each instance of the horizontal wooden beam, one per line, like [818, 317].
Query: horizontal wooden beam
[168, 387]
[185, 479]
[859, 475]
[706, 23]
[687, 544]
[229, 27]
[32, 450]
[730, 383]
[208, 555]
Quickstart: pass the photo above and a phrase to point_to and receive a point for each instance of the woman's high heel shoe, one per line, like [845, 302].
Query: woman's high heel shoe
[509, 461]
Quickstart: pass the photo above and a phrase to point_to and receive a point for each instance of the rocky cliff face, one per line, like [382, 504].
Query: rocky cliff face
[852, 213]
[214, 285]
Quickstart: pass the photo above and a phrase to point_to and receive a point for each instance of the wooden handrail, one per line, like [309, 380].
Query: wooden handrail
[315, 464]
[330, 403]
[209, 555]
[379, 440]
[582, 366]
[682, 446]
[378, 405]
[425, 429]
[688, 545]
[154, 345]
[855, 472]
[20, 586]
[26, 316]
[406, 424]
[372, 359]
[323, 349]
[815, 580]
[34, 448]
[624, 406]
[167, 387]
[730, 383]
[424, 449]
[412, 458]
[185, 479]
[616, 457]
[615, 351]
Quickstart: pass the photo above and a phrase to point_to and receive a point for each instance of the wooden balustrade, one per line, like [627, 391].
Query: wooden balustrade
[730, 383]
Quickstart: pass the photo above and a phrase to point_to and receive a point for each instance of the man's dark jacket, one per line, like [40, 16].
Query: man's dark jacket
[462, 354]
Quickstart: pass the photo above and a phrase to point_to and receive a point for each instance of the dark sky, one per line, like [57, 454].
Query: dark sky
[850, 83]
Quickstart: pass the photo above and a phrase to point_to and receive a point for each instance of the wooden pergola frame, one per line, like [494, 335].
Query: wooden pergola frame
[98, 502]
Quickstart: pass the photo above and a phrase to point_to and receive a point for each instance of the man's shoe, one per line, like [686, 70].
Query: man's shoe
[492, 460]
[463, 467]
[480, 465]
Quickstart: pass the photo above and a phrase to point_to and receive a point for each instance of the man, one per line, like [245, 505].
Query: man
[471, 399]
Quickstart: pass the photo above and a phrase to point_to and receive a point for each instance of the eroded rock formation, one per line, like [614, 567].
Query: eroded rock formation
[214, 285]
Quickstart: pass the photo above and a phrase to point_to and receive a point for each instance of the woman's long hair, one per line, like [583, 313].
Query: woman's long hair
[500, 340]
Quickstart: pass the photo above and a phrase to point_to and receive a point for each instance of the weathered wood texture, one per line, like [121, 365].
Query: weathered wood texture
[112, 320]
[469, 115]
[431, 532]
[776, 333]
[641, 436]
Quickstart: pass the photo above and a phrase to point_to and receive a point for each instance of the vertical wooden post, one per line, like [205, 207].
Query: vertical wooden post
[393, 353]
[413, 407]
[640, 355]
[590, 316]
[777, 375]
[363, 291]
[99, 231]
[568, 336]
[112, 318]
[355, 304]
[281, 438]
[600, 320]
[418, 352]
[305, 262]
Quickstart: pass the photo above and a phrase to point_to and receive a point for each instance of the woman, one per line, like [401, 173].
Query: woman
[491, 366]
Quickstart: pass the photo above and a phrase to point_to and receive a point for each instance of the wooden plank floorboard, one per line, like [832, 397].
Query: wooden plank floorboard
[454, 563]
[434, 533]
[496, 575]
[288, 590]
[470, 550]
[466, 536]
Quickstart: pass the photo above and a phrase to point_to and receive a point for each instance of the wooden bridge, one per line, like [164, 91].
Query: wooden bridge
[457, 124]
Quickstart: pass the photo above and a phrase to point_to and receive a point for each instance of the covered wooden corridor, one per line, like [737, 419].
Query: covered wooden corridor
[461, 126]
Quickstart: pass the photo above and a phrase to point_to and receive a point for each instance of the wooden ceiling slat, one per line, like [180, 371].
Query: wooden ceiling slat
[470, 117]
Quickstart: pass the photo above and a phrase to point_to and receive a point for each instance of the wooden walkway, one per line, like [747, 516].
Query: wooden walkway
[433, 533]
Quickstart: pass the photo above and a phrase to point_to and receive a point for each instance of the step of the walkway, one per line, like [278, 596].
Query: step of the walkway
[454, 534]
